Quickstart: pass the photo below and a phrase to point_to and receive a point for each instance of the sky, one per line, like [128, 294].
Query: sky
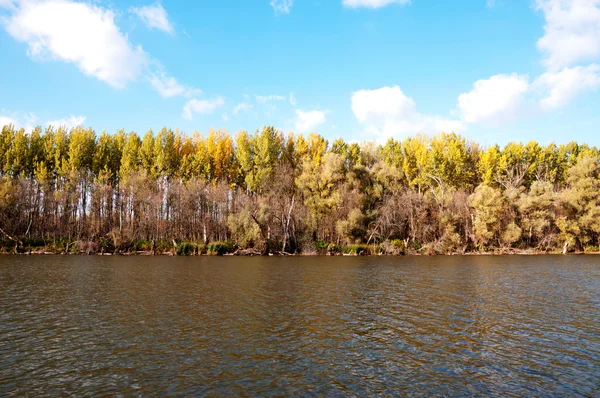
[492, 70]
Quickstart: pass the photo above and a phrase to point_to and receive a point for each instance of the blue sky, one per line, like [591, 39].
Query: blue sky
[494, 71]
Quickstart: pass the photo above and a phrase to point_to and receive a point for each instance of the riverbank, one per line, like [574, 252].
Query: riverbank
[169, 254]
[187, 248]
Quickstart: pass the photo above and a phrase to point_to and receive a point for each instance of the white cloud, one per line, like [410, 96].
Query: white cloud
[282, 6]
[242, 106]
[292, 99]
[571, 36]
[386, 102]
[168, 87]
[388, 112]
[28, 120]
[493, 100]
[262, 99]
[78, 33]
[19, 120]
[195, 105]
[372, 3]
[564, 86]
[69, 122]
[154, 16]
[6, 120]
[307, 121]
[503, 98]
[10, 4]
[571, 33]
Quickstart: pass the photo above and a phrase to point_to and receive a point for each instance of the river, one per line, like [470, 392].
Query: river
[274, 326]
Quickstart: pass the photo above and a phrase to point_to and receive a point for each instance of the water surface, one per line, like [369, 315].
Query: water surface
[334, 326]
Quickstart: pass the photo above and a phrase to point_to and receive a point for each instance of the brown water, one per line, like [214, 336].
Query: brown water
[334, 326]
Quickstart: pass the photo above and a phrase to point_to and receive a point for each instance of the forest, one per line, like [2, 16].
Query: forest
[77, 191]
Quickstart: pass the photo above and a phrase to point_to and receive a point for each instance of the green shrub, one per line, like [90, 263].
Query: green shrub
[415, 245]
[220, 248]
[244, 230]
[322, 245]
[189, 248]
[162, 246]
[74, 247]
[143, 245]
[106, 245]
[34, 242]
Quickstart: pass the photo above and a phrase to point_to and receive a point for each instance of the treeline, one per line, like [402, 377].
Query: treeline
[76, 190]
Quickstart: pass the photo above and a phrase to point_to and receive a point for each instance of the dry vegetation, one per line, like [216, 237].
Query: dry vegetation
[79, 192]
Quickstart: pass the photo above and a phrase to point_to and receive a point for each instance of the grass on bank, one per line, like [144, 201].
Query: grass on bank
[105, 246]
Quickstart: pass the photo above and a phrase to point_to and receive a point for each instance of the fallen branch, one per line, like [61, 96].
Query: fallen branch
[10, 237]
[17, 241]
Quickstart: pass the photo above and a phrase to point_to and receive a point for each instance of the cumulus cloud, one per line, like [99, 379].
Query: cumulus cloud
[571, 33]
[195, 105]
[383, 103]
[503, 98]
[168, 87]
[372, 3]
[282, 6]
[154, 16]
[493, 100]
[78, 33]
[563, 86]
[388, 112]
[68, 122]
[307, 121]
[292, 99]
[86, 35]
[571, 37]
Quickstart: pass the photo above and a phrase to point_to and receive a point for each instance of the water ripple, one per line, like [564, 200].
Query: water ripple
[458, 326]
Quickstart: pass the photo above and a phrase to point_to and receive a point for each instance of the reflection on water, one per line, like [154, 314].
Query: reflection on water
[521, 326]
